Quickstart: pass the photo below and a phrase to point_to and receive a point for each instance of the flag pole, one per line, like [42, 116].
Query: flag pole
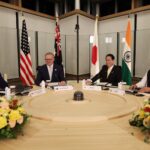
[77, 31]
[134, 45]
[18, 40]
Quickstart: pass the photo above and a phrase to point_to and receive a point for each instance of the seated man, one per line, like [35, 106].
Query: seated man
[50, 71]
[3, 83]
[144, 84]
[109, 73]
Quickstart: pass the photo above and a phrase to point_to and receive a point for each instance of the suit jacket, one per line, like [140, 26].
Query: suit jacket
[114, 77]
[3, 83]
[57, 75]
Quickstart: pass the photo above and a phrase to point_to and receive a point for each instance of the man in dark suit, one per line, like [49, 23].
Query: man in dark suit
[3, 83]
[109, 73]
[50, 71]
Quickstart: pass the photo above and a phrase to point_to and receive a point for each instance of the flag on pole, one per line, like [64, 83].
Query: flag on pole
[95, 51]
[57, 46]
[126, 60]
[26, 72]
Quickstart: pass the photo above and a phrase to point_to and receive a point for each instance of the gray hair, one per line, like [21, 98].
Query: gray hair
[49, 53]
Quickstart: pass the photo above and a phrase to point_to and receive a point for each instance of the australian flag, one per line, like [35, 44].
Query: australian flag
[57, 46]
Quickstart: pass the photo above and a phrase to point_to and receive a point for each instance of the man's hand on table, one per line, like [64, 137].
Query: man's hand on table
[133, 87]
[62, 83]
[145, 90]
[88, 82]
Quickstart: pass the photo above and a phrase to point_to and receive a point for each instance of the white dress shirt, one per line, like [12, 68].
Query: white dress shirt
[50, 71]
[143, 82]
[109, 70]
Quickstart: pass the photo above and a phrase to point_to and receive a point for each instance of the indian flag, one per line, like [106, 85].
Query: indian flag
[126, 60]
[95, 51]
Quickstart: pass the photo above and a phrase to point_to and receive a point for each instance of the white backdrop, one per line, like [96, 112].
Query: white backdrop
[46, 28]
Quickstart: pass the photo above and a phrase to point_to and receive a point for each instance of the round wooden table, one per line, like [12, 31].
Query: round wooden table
[98, 122]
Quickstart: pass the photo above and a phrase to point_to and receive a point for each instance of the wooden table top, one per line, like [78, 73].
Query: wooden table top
[58, 123]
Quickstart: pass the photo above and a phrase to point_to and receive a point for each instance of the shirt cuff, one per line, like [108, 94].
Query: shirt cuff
[139, 85]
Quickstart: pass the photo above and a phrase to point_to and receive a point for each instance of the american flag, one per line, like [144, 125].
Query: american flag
[26, 72]
[57, 46]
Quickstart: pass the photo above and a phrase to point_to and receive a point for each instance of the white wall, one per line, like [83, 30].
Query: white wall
[143, 21]
[36, 23]
[114, 25]
[86, 25]
[109, 28]
[46, 29]
[119, 24]
[67, 26]
[143, 43]
[8, 41]
[86, 29]
[8, 18]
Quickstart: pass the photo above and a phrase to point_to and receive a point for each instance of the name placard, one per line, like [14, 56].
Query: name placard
[37, 92]
[117, 91]
[63, 88]
[92, 88]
